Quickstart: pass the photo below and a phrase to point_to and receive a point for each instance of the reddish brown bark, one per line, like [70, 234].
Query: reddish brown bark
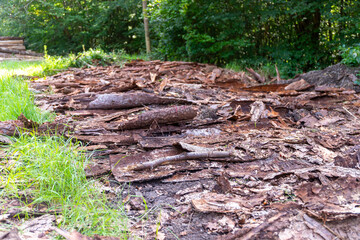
[159, 116]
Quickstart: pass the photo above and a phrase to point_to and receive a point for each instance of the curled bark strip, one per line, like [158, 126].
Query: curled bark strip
[180, 157]
[160, 116]
[129, 100]
[193, 148]
[256, 75]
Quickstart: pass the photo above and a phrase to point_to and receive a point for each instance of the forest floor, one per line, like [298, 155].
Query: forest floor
[193, 151]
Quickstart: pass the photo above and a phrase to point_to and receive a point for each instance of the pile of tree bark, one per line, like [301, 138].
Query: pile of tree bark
[233, 159]
[14, 48]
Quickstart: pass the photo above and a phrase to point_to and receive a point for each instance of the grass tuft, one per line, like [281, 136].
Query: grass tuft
[15, 98]
[50, 170]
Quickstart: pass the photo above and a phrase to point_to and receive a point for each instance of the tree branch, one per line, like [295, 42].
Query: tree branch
[180, 157]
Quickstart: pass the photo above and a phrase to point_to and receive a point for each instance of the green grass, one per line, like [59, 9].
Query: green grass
[22, 68]
[50, 170]
[15, 98]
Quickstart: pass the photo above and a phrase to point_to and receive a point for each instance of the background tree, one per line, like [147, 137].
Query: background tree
[297, 35]
[66, 26]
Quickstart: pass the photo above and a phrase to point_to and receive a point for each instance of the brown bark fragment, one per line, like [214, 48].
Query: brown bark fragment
[298, 85]
[128, 100]
[78, 236]
[10, 128]
[256, 75]
[160, 116]
[114, 139]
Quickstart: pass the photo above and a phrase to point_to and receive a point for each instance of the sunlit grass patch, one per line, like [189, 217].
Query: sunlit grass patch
[50, 170]
[22, 68]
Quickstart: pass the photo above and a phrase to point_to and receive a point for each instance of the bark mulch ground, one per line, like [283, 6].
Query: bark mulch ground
[213, 154]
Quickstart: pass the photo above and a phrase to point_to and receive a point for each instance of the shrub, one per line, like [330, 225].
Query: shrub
[350, 55]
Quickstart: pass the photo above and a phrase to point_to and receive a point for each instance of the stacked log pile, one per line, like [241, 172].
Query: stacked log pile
[13, 48]
[16, 43]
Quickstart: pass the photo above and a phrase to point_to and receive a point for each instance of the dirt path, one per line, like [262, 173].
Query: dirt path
[213, 155]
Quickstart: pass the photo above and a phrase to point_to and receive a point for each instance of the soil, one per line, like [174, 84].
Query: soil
[207, 153]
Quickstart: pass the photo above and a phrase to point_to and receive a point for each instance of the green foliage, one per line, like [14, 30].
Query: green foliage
[53, 64]
[89, 58]
[50, 170]
[295, 35]
[93, 57]
[350, 55]
[64, 26]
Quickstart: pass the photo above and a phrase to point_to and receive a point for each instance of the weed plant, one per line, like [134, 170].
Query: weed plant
[89, 58]
[50, 170]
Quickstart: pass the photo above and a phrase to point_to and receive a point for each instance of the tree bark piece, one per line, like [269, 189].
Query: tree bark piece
[13, 51]
[256, 75]
[159, 116]
[254, 232]
[319, 228]
[181, 157]
[10, 128]
[298, 85]
[278, 78]
[119, 140]
[5, 141]
[129, 100]
[193, 148]
[221, 203]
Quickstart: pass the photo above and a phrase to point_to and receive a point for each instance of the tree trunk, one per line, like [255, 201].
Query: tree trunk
[146, 26]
